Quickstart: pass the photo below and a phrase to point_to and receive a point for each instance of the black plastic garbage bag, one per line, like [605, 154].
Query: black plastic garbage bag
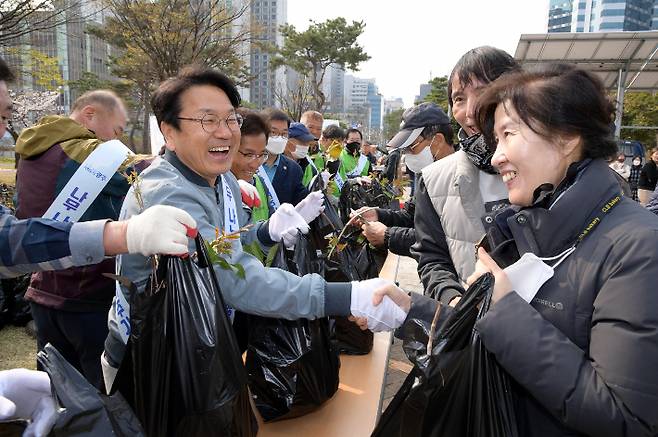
[183, 369]
[353, 263]
[291, 364]
[328, 222]
[355, 195]
[82, 409]
[458, 389]
[14, 309]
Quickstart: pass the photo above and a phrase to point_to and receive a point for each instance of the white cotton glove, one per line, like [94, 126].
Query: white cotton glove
[285, 223]
[363, 180]
[325, 175]
[311, 206]
[25, 394]
[386, 316]
[160, 229]
[250, 196]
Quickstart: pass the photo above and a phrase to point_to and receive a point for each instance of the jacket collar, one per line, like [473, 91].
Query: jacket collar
[547, 232]
[467, 182]
[187, 172]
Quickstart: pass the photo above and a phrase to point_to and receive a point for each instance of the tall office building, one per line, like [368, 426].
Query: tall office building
[334, 89]
[266, 17]
[602, 15]
[423, 91]
[75, 50]
[364, 105]
[394, 104]
[376, 102]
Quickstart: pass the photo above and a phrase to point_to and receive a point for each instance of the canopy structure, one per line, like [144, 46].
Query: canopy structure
[623, 60]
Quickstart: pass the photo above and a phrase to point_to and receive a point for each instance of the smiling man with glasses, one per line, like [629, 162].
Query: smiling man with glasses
[194, 175]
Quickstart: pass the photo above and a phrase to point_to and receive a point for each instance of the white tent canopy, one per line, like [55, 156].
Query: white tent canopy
[623, 60]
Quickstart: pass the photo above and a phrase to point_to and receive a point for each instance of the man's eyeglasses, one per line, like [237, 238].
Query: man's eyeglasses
[255, 156]
[210, 122]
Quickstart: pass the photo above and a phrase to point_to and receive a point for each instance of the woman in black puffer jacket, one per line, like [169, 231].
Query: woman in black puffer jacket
[583, 344]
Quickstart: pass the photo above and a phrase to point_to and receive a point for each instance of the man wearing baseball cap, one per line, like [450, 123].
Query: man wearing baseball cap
[425, 136]
[299, 141]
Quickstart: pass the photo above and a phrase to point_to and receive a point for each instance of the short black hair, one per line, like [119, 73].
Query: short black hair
[485, 64]
[253, 123]
[445, 129]
[554, 100]
[166, 103]
[352, 130]
[334, 132]
[6, 74]
[273, 114]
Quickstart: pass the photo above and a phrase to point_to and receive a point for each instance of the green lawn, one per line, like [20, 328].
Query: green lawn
[17, 349]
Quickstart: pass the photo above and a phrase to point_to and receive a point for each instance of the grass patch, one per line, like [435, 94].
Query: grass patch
[17, 349]
[8, 176]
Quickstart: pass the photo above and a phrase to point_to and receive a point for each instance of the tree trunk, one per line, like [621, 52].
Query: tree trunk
[146, 138]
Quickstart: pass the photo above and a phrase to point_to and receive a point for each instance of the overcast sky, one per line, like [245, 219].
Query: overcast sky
[411, 41]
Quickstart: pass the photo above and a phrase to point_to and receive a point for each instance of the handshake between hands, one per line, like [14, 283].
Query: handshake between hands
[378, 304]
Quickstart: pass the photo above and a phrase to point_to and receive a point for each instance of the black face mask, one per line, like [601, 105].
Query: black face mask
[479, 152]
[353, 148]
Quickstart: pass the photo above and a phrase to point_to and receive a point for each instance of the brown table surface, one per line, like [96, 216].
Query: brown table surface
[355, 408]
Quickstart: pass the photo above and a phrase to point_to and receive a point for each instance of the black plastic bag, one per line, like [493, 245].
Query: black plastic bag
[82, 409]
[183, 369]
[458, 389]
[14, 309]
[292, 365]
[355, 195]
[352, 263]
[327, 223]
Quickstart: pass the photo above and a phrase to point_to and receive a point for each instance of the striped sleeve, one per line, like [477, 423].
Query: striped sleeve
[39, 244]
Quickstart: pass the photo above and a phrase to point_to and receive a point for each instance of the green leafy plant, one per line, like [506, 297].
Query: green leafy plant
[222, 246]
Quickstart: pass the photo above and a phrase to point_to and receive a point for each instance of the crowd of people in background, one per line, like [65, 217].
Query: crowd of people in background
[525, 176]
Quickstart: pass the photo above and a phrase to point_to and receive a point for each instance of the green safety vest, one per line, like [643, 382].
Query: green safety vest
[262, 212]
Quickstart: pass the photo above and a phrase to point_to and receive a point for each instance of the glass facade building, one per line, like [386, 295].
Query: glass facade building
[602, 15]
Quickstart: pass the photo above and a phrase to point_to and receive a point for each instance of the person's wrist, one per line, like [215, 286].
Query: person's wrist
[387, 237]
[114, 237]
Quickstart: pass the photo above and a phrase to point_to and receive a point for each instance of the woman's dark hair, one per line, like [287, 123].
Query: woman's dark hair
[353, 130]
[166, 99]
[484, 63]
[334, 132]
[555, 100]
[253, 123]
[273, 114]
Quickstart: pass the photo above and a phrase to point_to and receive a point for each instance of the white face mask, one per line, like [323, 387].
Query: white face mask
[300, 152]
[530, 272]
[419, 161]
[276, 145]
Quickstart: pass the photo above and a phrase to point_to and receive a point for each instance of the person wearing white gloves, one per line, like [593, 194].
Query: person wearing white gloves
[196, 113]
[26, 395]
[49, 245]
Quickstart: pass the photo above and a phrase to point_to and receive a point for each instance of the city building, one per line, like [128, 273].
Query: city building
[364, 105]
[602, 15]
[75, 51]
[334, 89]
[266, 17]
[394, 104]
[424, 90]
[376, 103]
